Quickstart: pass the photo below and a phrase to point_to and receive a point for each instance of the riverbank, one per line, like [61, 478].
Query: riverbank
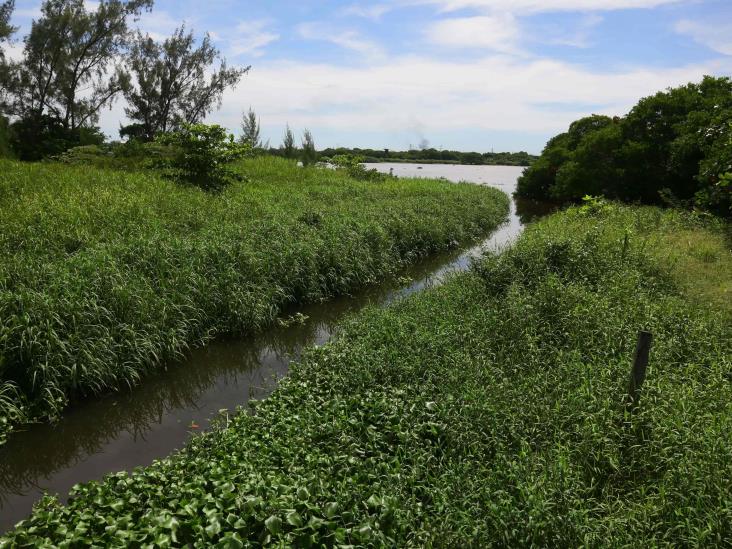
[488, 410]
[107, 275]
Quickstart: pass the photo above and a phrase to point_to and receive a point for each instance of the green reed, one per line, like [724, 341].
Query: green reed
[105, 275]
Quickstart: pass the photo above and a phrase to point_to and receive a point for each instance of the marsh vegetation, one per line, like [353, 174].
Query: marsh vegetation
[106, 275]
[488, 410]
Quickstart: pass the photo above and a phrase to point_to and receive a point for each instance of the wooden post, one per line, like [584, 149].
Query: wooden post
[640, 364]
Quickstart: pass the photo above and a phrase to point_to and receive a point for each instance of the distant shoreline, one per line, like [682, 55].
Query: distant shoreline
[432, 161]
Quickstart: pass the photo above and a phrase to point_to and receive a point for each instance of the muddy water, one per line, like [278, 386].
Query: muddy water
[125, 430]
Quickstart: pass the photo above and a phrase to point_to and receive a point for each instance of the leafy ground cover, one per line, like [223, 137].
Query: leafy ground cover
[488, 411]
[105, 275]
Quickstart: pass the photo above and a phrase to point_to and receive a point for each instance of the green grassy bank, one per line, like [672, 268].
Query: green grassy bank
[486, 412]
[105, 275]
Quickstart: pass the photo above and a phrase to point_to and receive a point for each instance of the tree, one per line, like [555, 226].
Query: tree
[65, 73]
[289, 150]
[670, 148]
[251, 129]
[309, 154]
[174, 82]
[538, 180]
[6, 32]
[715, 171]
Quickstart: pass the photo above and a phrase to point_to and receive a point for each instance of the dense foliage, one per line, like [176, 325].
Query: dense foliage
[68, 73]
[105, 275]
[201, 156]
[434, 155]
[672, 147]
[486, 412]
[5, 149]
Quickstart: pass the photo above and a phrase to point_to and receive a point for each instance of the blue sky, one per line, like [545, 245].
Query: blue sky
[462, 74]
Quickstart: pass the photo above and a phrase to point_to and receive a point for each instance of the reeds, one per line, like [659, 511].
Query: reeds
[106, 275]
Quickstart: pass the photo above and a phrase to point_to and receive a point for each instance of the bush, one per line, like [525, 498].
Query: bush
[34, 139]
[353, 166]
[200, 156]
[85, 154]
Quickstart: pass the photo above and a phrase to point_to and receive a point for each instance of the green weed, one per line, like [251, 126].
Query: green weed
[105, 275]
[484, 412]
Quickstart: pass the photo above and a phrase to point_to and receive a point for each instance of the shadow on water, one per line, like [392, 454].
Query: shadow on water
[124, 430]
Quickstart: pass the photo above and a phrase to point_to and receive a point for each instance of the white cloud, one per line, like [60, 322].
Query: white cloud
[497, 93]
[14, 51]
[374, 12]
[348, 39]
[251, 37]
[716, 36]
[538, 6]
[496, 32]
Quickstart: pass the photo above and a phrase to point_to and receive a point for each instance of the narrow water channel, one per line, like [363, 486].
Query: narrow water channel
[125, 430]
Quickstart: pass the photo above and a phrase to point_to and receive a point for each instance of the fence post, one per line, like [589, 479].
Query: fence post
[640, 364]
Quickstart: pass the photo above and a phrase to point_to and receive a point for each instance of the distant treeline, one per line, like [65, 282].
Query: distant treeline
[434, 156]
[674, 147]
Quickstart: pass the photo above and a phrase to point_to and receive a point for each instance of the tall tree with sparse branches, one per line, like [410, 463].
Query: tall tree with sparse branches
[251, 129]
[174, 83]
[6, 29]
[309, 154]
[289, 150]
[68, 72]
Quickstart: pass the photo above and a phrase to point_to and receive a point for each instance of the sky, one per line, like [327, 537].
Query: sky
[471, 75]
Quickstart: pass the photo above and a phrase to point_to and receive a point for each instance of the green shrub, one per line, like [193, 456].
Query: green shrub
[353, 166]
[201, 157]
[85, 154]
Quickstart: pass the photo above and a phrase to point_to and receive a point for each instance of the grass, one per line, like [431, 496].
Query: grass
[105, 275]
[488, 411]
[701, 262]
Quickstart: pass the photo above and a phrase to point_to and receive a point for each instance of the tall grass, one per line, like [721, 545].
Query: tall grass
[485, 412]
[105, 275]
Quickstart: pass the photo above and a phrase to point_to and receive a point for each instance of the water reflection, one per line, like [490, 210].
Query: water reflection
[126, 430]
